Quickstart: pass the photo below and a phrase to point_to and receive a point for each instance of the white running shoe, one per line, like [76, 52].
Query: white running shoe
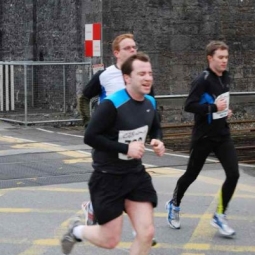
[88, 211]
[220, 221]
[173, 215]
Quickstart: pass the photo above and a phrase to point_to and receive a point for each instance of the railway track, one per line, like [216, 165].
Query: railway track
[177, 138]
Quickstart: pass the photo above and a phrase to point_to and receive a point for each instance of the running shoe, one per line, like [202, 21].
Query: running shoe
[69, 240]
[173, 216]
[220, 221]
[87, 209]
[153, 242]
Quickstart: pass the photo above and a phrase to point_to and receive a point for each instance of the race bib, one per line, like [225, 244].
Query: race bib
[224, 113]
[128, 136]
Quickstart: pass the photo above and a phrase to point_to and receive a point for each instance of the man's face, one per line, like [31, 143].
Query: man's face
[219, 61]
[127, 48]
[140, 80]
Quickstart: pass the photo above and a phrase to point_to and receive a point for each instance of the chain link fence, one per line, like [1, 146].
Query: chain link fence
[41, 92]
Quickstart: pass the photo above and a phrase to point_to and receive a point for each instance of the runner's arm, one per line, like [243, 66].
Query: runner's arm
[156, 132]
[93, 87]
[98, 132]
[193, 103]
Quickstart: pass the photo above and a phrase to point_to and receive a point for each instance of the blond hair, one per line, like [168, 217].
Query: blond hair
[118, 39]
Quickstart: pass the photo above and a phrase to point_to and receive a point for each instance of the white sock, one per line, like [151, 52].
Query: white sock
[77, 231]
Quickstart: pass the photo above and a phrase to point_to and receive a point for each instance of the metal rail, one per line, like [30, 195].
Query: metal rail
[247, 93]
[41, 63]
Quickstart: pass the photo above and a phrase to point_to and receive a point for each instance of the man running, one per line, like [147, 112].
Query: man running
[209, 101]
[117, 133]
[110, 80]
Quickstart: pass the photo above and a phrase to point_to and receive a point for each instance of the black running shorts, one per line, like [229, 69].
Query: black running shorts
[109, 191]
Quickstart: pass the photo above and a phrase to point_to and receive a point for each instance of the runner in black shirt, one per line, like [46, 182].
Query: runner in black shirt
[209, 101]
[117, 133]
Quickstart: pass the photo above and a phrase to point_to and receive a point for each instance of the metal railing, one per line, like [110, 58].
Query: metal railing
[46, 92]
[41, 92]
[248, 93]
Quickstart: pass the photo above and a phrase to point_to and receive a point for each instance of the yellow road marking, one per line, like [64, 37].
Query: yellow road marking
[77, 160]
[218, 182]
[35, 145]
[11, 140]
[163, 171]
[34, 250]
[204, 232]
[48, 189]
[33, 210]
[206, 216]
[74, 154]
[197, 246]
[193, 253]
[46, 243]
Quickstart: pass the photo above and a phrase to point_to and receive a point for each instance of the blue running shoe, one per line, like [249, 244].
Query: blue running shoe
[220, 221]
[173, 217]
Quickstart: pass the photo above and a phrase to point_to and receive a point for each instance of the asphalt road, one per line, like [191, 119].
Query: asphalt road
[43, 180]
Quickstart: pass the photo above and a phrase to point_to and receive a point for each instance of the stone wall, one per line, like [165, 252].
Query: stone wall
[41, 30]
[173, 32]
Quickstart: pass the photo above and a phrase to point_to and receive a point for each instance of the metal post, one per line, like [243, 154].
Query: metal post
[12, 87]
[64, 87]
[1, 89]
[7, 101]
[32, 92]
[25, 94]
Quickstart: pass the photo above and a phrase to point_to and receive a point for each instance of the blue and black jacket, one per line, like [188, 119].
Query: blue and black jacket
[204, 90]
[120, 113]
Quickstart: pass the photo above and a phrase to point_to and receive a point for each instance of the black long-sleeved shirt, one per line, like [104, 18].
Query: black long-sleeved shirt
[119, 120]
[213, 85]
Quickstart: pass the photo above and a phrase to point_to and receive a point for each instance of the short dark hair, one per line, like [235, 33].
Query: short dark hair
[127, 66]
[215, 45]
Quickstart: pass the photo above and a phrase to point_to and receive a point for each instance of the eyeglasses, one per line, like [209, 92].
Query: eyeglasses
[127, 48]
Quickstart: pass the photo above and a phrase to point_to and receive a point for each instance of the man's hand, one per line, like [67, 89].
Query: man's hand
[136, 150]
[230, 113]
[158, 147]
[221, 104]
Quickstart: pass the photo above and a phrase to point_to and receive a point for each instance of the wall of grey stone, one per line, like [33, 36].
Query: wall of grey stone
[41, 30]
[173, 32]
[16, 28]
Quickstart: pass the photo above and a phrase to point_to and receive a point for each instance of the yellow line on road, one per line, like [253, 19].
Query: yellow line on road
[77, 160]
[34, 250]
[206, 216]
[11, 140]
[196, 247]
[74, 154]
[204, 232]
[193, 253]
[48, 189]
[32, 210]
[163, 170]
[35, 145]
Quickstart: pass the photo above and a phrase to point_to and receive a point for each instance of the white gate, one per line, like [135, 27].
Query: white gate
[7, 88]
